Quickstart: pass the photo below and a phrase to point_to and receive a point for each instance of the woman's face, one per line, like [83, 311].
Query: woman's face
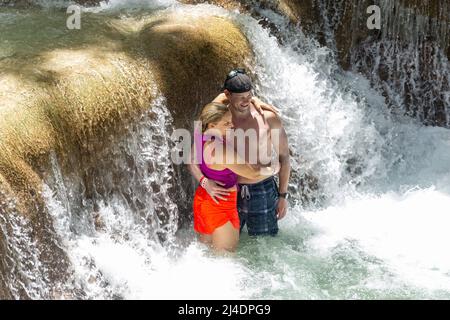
[224, 124]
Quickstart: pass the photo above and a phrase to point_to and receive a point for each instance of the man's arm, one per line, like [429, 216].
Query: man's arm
[282, 148]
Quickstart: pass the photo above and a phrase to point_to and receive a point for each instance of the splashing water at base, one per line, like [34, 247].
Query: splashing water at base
[408, 232]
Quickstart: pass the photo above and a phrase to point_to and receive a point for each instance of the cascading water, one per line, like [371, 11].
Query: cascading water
[367, 220]
[129, 213]
[406, 59]
[25, 276]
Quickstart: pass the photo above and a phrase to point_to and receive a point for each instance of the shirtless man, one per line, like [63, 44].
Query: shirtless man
[261, 202]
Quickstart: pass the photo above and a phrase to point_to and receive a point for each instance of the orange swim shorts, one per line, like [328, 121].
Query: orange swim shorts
[209, 215]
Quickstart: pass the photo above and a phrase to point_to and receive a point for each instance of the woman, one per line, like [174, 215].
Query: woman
[218, 223]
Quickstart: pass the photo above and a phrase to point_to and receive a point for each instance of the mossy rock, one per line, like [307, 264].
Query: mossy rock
[191, 57]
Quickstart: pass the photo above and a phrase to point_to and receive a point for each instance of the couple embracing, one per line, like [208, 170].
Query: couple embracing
[235, 169]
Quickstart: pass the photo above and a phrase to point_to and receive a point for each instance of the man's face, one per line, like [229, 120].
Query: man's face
[240, 101]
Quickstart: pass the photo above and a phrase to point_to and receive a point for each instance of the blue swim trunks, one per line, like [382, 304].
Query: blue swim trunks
[257, 207]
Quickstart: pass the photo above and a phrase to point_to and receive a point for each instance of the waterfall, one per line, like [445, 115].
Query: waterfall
[407, 59]
[367, 218]
[131, 208]
[22, 273]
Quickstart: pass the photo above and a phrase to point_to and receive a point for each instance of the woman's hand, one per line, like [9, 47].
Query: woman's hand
[216, 190]
[261, 106]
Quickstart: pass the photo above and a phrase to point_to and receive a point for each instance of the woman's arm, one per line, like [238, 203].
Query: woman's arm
[236, 164]
[259, 105]
[221, 98]
[249, 172]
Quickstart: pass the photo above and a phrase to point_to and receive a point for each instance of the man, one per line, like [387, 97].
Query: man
[261, 203]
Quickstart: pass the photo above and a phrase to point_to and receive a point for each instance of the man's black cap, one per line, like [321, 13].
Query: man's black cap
[237, 81]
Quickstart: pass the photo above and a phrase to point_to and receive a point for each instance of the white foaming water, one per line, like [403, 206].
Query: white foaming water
[108, 265]
[408, 232]
[132, 266]
[155, 275]
[367, 237]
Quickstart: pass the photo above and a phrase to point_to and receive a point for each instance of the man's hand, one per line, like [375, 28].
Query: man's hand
[216, 190]
[282, 207]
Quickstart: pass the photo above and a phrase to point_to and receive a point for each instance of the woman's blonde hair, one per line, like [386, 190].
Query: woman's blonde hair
[212, 113]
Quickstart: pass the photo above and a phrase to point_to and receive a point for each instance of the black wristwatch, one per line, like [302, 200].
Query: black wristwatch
[284, 195]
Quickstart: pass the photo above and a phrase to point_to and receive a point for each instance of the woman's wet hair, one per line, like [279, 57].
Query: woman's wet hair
[212, 113]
